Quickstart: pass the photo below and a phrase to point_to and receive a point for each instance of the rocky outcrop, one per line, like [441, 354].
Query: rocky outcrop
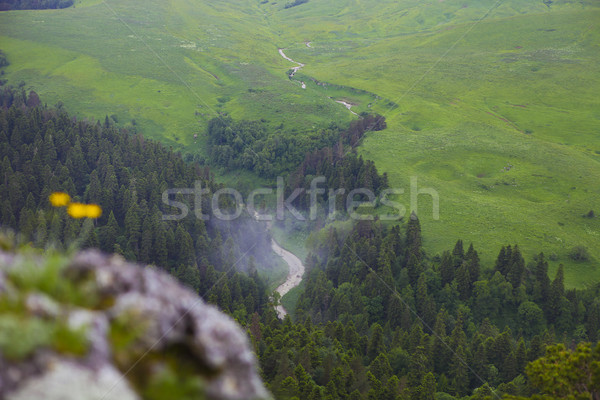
[96, 327]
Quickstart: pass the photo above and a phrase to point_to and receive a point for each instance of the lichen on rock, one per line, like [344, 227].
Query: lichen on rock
[94, 326]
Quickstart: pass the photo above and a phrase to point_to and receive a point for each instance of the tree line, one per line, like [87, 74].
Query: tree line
[7, 5]
[295, 3]
[379, 319]
[45, 150]
[252, 146]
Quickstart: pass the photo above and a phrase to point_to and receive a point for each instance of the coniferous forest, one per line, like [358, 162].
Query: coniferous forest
[46, 150]
[378, 318]
[6, 5]
[231, 199]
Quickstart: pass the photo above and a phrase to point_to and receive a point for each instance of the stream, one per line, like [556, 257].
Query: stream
[294, 276]
[296, 268]
[295, 272]
[299, 67]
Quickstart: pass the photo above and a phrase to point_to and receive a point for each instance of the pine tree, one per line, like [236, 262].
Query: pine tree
[458, 254]
[446, 268]
[418, 367]
[376, 344]
[521, 356]
[441, 360]
[380, 367]
[463, 280]
[459, 373]
[185, 248]
[394, 311]
[159, 247]
[304, 381]
[94, 189]
[376, 390]
[427, 389]
[516, 268]
[413, 239]
[133, 228]
[557, 290]
[145, 255]
[54, 236]
[91, 241]
[41, 230]
[109, 233]
[414, 269]
[473, 263]
[421, 295]
[503, 260]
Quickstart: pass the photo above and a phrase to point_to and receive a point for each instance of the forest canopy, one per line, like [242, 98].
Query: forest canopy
[6, 5]
[378, 317]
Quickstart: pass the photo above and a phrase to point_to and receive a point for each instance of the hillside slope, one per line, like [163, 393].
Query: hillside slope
[492, 103]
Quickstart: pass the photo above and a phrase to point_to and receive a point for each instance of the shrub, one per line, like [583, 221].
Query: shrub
[579, 253]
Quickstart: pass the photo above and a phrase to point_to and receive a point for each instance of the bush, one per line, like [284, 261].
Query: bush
[295, 3]
[579, 253]
[590, 214]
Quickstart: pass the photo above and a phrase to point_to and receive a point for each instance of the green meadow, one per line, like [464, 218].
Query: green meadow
[494, 104]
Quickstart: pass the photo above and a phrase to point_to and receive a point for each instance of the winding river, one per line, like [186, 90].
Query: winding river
[295, 272]
[296, 268]
[300, 66]
[294, 276]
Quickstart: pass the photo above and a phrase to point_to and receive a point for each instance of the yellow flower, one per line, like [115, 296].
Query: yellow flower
[59, 199]
[77, 210]
[94, 211]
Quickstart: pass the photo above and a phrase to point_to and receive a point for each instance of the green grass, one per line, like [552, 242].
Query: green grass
[518, 88]
[462, 98]
[290, 300]
[171, 68]
[276, 276]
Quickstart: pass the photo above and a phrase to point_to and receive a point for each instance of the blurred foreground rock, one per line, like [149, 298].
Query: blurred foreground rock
[96, 327]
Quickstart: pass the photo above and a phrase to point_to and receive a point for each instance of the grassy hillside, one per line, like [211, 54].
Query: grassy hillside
[468, 88]
[171, 66]
[516, 89]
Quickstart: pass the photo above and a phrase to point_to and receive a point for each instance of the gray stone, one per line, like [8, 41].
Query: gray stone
[161, 314]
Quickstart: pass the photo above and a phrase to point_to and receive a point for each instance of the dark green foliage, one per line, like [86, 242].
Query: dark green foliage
[295, 3]
[45, 150]
[341, 171]
[566, 374]
[6, 5]
[438, 329]
[3, 60]
[579, 253]
[378, 318]
[252, 146]
[446, 268]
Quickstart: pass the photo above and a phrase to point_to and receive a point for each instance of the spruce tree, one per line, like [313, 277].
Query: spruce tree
[473, 263]
[557, 290]
[414, 269]
[458, 254]
[109, 233]
[463, 279]
[446, 268]
[413, 239]
[376, 344]
[516, 268]
[427, 389]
